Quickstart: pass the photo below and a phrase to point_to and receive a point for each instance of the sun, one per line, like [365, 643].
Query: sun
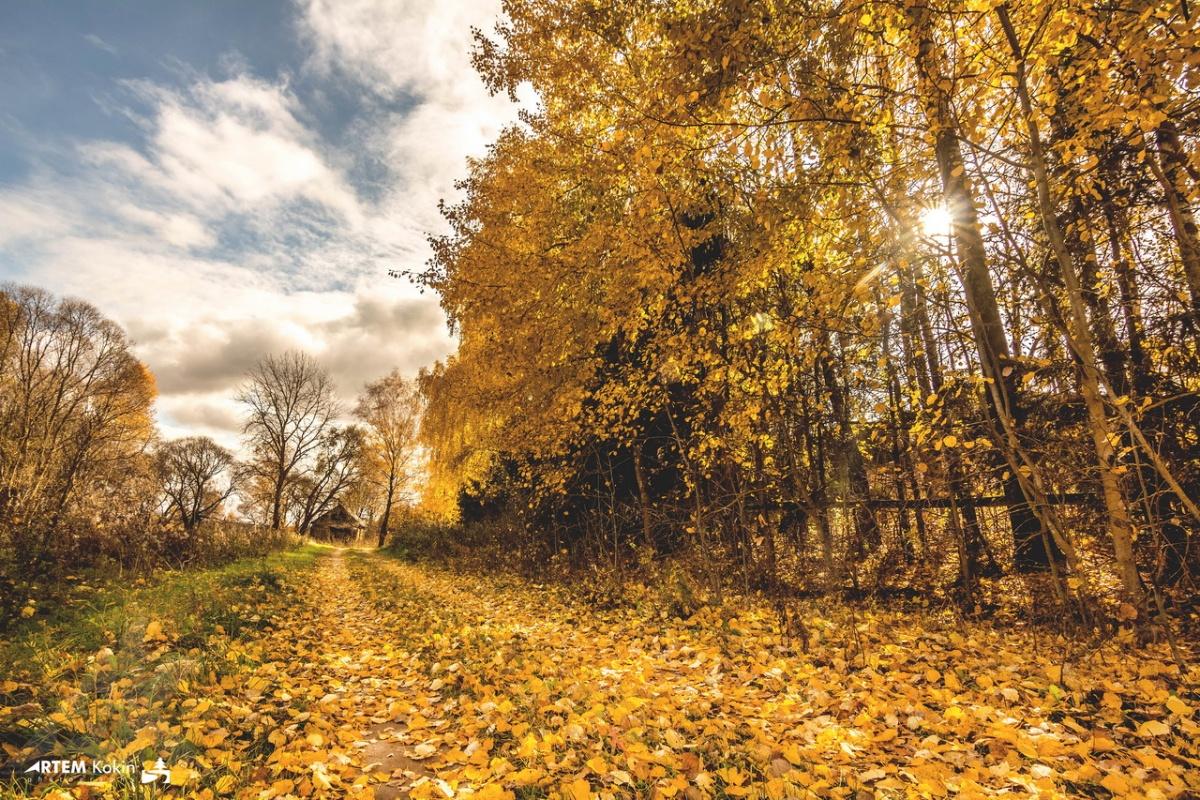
[936, 221]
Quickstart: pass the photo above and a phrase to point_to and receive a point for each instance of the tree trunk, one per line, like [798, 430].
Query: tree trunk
[1082, 250]
[1131, 303]
[1170, 176]
[277, 501]
[387, 510]
[643, 494]
[1120, 526]
[1030, 552]
[866, 529]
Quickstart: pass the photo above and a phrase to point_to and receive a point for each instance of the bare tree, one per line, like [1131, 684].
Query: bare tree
[290, 402]
[337, 466]
[197, 475]
[391, 407]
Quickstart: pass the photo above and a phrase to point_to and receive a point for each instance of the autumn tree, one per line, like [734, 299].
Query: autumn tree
[391, 408]
[807, 292]
[74, 410]
[290, 403]
[338, 462]
[198, 476]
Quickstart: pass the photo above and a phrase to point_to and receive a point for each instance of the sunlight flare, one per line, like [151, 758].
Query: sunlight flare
[936, 221]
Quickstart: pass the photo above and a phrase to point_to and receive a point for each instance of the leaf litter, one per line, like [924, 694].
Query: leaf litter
[384, 679]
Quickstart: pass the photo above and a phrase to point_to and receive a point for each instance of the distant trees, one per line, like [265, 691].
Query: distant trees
[198, 476]
[75, 414]
[304, 461]
[290, 403]
[391, 409]
[84, 475]
[336, 467]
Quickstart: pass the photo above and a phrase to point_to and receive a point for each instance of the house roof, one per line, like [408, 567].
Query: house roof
[339, 514]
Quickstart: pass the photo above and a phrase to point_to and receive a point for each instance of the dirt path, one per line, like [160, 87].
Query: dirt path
[337, 660]
[387, 679]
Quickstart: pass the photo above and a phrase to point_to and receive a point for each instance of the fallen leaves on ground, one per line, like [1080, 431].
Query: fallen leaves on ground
[379, 678]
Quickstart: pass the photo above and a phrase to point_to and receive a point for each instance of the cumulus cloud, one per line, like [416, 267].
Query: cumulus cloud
[215, 414]
[363, 334]
[230, 228]
[229, 148]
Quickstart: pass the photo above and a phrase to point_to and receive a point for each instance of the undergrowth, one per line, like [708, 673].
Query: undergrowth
[143, 639]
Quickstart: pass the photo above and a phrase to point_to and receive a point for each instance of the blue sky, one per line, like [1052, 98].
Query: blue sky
[228, 179]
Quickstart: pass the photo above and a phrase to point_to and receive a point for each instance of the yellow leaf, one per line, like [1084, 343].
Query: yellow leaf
[1154, 727]
[529, 746]
[320, 776]
[215, 738]
[423, 751]
[1026, 747]
[493, 791]
[179, 775]
[526, 777]
[154, 632]
[1177, 706]
[143, 740]
[1115, 782]
[732, 776]
[620, 777]
[793, 755]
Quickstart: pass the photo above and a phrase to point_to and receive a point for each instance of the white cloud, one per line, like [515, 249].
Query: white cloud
[415, 46]
[182, 230]
[225, 147]
[29, 214]
[100, 44]
[214, 414]
[420, 51]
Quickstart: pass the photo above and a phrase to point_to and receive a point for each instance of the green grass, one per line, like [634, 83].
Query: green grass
[72, 651]
[91, 616]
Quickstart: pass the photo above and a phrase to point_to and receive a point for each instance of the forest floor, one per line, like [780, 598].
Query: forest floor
[345, 673]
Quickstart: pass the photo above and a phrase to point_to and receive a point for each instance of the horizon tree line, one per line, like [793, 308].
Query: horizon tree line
[84, 473]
